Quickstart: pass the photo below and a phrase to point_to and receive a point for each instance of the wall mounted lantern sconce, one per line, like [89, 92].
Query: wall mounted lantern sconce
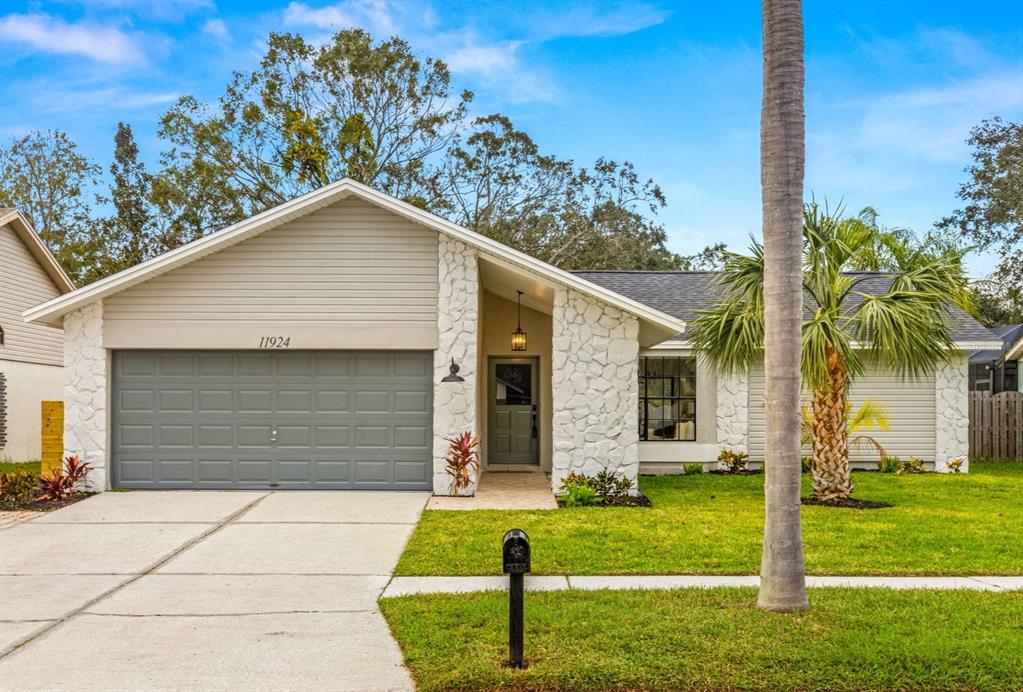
[518, 340]
[453, 375]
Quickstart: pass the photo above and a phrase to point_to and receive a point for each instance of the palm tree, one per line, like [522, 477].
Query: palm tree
[902, 327]
[782, 163]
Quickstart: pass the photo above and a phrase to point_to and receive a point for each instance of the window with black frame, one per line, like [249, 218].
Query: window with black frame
[667, 398]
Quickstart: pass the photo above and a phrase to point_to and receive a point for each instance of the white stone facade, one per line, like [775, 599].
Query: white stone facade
[454, 403]
[595, 388]
[952, 413]
[733, 411]
[86, 382]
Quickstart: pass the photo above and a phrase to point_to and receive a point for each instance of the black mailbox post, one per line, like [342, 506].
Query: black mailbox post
[516, 557]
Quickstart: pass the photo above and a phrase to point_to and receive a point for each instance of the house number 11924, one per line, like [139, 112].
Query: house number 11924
[274, 341]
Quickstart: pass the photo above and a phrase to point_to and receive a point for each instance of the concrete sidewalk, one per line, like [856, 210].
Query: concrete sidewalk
[405, 586]
[206, 591]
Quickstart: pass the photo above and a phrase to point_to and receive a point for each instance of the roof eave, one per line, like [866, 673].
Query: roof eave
[38, 249]
[51, 312]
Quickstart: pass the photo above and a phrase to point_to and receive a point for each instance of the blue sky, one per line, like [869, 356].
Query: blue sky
[892, 87]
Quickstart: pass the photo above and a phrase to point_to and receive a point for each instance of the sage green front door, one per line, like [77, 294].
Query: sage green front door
[513, 426]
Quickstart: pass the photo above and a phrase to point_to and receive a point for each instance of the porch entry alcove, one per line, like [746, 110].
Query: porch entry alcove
[514, 388]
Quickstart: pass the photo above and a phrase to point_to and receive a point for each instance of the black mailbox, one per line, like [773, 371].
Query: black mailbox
[516, 552]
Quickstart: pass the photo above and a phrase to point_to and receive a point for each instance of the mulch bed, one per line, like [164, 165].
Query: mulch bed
[845, 503]
[640, 500]
[48, 505]
[744, 472]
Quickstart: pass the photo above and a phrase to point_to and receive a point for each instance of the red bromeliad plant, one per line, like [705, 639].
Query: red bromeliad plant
[62, 483]
[463, 461]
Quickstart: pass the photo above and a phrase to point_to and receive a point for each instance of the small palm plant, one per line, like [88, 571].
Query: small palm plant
[870, 415]
[463, 462]
[903, 328]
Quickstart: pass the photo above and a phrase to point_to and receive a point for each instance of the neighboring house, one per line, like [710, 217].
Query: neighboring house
[31, 355]
[341, 339]
[997, 370]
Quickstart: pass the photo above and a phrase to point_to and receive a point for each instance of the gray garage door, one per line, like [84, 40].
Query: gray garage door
[282, 419]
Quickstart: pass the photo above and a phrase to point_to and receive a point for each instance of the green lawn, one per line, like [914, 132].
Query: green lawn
[707, 524]
[15, 466]
[692, 639]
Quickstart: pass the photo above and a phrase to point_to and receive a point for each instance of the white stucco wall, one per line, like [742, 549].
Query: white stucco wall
[454, 405]
[733, 411]
[86, 382]
[28, 385]
[595, 387]
[952, 412]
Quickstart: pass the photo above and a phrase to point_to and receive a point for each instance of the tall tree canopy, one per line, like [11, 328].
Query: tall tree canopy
[992, 214]
[376, 113]
[309, 115]
[43, 175]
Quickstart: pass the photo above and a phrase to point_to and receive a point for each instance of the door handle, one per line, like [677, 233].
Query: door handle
[273, 435]
[534, 426]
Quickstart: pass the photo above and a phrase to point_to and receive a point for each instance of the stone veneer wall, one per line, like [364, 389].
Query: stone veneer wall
[733, 411]
[594, 364]
[454, 403]
[86, 370]
[951, 412]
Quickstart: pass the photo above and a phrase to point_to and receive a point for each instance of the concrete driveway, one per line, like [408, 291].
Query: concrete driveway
[204, 591]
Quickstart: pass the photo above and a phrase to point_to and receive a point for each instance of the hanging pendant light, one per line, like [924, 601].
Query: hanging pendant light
[518, 340]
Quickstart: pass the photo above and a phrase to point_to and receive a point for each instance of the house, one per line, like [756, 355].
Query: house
[996, 370]
[31, 355]
[341, 339]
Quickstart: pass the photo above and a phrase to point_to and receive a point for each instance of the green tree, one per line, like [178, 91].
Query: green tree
[992, 214]
[782, 165]
[902, 328]
[128, 237]
[900, 250]
[43, 175]
[995, 302]
[309, 115]
[710, 258]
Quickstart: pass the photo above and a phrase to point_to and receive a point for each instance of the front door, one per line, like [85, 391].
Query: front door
[514, 393]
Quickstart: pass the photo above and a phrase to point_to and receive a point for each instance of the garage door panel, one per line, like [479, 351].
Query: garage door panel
[343, 420]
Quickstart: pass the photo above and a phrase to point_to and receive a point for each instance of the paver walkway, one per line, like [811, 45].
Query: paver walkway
[405, 586]
[10, 518]
[204, 591]
[503, 490]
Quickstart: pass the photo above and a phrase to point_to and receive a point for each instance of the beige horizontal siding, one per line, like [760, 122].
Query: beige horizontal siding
[23, 285]
[909, 403]
[346, 276]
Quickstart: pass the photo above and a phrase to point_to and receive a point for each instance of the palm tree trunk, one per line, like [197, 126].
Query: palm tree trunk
[831, 477]
[782, 160]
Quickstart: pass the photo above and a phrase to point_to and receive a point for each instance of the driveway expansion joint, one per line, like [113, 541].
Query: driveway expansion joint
[132, 577]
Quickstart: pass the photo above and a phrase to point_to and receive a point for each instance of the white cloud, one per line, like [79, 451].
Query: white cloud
[600, 20]
[55, 98]
[217, 29]
[376, 16]
[484, 59]
[45, 34]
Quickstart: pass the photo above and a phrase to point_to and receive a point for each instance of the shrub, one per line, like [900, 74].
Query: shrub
[614, 489]
[579, 496]
[18, 489]
[807, 464]
[463, 463]
[913, 465]
[692, 468]
[606, 488]
[62, 483]
[887, 464]
[733, 461]
[956, 465]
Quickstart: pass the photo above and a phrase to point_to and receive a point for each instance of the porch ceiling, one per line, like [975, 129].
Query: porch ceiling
[503, 280]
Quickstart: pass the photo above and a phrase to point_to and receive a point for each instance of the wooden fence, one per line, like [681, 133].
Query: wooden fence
[996, 425]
